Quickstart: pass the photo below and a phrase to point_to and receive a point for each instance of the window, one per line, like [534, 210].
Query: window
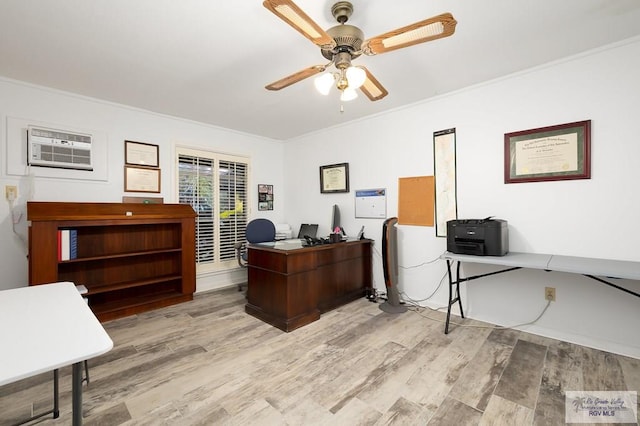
[216, 187]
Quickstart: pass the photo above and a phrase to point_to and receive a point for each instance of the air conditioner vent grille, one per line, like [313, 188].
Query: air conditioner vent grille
[55, 148]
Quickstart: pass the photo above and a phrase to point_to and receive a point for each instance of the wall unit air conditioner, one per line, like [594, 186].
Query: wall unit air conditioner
[57, 148]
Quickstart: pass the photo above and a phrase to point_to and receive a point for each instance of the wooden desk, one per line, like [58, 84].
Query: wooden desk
[45, 327]
[290, 286]
[589, 267]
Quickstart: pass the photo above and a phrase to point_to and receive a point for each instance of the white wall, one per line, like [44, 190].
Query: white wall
[115, 124]
[591, 218]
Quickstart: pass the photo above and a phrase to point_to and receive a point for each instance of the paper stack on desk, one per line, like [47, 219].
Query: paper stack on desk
[283, 231]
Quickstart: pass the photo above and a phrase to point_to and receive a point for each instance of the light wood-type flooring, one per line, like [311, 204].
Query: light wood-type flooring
[207, 362]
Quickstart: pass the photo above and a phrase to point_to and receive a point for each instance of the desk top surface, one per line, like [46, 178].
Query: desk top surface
[599, 267]
[45, 327]
[297, 244]
[514, 259]
[578, 265]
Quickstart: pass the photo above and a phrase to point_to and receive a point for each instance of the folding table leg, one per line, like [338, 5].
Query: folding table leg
[56, 400]
[76, 391]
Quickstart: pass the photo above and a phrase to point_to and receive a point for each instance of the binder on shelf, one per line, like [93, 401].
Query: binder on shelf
[64, 245]
[73, 243]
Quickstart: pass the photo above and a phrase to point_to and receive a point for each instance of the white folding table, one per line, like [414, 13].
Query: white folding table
[596, 269]
[46, 327]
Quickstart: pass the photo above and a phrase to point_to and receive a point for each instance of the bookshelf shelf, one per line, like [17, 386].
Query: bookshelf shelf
[98, 289]
[130, 257]
[115, 256]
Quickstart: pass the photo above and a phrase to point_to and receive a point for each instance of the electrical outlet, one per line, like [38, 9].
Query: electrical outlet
[11, 192]
[550, 294]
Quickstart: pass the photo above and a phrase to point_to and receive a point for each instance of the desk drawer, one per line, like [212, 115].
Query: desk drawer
[341, 252]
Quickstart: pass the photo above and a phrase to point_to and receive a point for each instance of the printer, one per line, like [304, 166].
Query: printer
[481, 237]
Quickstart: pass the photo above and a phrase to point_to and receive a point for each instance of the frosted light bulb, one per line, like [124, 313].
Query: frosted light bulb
[348, 94]
[323, 83]
[356, 77]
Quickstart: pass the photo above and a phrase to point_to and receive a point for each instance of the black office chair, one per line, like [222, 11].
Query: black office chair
[258, 231]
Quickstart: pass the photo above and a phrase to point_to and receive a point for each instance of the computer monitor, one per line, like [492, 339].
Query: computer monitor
[310, 230]
[335, 218]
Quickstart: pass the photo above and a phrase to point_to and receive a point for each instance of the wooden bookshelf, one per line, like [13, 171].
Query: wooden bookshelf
[131, 257]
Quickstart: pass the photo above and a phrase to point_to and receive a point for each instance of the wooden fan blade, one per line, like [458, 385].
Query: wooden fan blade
[372, 87]
[430, 29]
[290, 13]
[294, 78]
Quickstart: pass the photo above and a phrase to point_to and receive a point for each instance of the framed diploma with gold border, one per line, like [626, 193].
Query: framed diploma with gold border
[334, 178]
[559, 152]
[141, 179]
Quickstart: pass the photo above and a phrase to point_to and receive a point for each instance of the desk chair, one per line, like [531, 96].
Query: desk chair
[258, 231]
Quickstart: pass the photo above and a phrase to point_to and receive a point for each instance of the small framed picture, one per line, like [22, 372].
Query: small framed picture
[265, 197]
[141, 179]
[334, 178]
[141, 154]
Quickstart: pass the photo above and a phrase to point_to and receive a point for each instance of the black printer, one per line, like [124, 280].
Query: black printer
[481, 237]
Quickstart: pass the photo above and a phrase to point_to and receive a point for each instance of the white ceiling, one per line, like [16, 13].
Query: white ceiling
[209, 60]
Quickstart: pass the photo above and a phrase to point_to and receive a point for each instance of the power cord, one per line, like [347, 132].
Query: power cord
[428, 262]
[418, 310]
[414, 306]
[416, 301]
[16, 218]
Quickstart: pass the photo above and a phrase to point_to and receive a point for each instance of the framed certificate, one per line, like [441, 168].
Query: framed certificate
[141, 154]
[557, 152]
[334, 178]
[141, 179]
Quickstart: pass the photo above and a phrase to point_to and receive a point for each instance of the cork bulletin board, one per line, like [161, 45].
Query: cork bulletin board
[416, 201]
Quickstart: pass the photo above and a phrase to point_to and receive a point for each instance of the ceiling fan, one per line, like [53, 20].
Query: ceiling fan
[343, 43]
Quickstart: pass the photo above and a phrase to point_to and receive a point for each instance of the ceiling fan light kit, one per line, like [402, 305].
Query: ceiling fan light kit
[348, 79]
[343, 43]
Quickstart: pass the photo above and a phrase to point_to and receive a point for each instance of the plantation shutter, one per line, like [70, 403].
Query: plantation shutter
[233, 199]
[196, 188]
[215, 185]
